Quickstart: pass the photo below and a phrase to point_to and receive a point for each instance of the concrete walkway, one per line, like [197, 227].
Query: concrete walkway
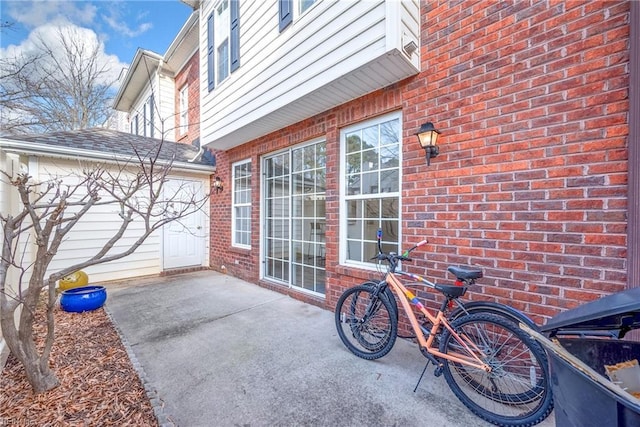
[218, 351]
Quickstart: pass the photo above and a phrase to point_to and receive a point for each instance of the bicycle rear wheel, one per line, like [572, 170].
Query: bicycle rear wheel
[366, 322]
[517, 391]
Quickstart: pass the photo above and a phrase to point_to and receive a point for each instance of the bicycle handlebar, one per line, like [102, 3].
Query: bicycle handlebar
[392, 257]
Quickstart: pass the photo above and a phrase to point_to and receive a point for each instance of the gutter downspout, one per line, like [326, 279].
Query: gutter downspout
[197, 156]
[633, 186]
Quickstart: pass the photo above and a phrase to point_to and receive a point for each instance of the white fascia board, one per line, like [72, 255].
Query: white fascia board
[132, 76]
[190, 26]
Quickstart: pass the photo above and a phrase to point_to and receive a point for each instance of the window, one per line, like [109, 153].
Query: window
[184, 109]
[241, 227]
[285, 11]
[151, 117]
[210, 62]
[305, 4]
[135, 125]
[144, 120]
[223, 41]
[371, 188]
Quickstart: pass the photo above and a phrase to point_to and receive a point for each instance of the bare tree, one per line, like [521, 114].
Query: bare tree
[48, 211]
[61, 84]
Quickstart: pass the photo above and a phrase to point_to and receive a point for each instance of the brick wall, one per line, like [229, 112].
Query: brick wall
[531, 99]
[245, 263]
[189, 75]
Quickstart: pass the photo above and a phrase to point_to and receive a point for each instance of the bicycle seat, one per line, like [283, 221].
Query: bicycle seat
[451, 291]
[464, 272]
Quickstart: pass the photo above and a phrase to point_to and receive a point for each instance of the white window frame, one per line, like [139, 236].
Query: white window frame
[151, 116]
[291, 10]
[235, 204]
[300, 4]
[222, 30]
[183, 105]
[344, 197]
[144, 119]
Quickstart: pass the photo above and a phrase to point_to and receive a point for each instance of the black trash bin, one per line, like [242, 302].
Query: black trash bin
[579, 343]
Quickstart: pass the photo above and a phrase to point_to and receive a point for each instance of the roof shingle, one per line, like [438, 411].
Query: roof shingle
[118, 143]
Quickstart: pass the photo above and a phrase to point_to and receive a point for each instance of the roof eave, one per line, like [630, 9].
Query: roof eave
[132, 74]
[194, 4]
[187, 28]
[36, 149]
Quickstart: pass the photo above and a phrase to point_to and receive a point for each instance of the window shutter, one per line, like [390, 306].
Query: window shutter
[235, 35]
[285, 13]
[211, 73]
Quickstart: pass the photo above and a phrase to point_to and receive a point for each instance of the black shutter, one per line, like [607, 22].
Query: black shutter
[234, 47]
[211, 73]
[285, 13]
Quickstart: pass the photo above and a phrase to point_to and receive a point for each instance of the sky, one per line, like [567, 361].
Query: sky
[119, 27]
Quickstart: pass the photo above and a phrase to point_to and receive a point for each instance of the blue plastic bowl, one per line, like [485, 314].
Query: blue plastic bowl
[85, 298]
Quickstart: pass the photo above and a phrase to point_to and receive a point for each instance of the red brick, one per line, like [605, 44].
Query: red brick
[534, 158]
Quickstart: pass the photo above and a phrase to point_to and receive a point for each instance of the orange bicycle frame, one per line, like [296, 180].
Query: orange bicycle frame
[406, 297]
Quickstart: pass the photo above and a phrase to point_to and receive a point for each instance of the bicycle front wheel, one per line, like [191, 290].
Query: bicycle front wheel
[366, 322]
[516, 392]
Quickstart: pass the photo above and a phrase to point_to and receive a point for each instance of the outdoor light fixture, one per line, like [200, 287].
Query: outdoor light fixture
[217, 185]
[428, 136]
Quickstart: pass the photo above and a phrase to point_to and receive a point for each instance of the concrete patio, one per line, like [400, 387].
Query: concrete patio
[214, 350]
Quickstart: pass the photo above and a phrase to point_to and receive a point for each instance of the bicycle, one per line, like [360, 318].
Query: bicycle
[493, 367]
[465, 276]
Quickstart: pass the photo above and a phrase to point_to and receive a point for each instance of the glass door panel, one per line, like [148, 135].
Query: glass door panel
[295, 215]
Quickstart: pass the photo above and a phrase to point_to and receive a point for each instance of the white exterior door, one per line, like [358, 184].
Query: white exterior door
[184, 240]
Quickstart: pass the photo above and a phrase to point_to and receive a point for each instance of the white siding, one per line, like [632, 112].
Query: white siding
[162, 88]
[95, 228]
[167, 107]
[138, 107]
[336, 51]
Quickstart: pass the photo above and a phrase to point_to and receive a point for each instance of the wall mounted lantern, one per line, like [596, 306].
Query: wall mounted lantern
[428, 136]
[217, 185]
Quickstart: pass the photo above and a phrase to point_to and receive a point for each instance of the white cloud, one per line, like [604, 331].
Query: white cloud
[116, 15]
[115, 19]
[50, 33]
[32, 13]
[122, 27]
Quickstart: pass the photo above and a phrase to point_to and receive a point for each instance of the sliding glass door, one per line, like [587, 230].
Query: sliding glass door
[295, 217]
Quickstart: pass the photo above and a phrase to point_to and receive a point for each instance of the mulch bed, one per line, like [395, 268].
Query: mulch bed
[98, 384]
